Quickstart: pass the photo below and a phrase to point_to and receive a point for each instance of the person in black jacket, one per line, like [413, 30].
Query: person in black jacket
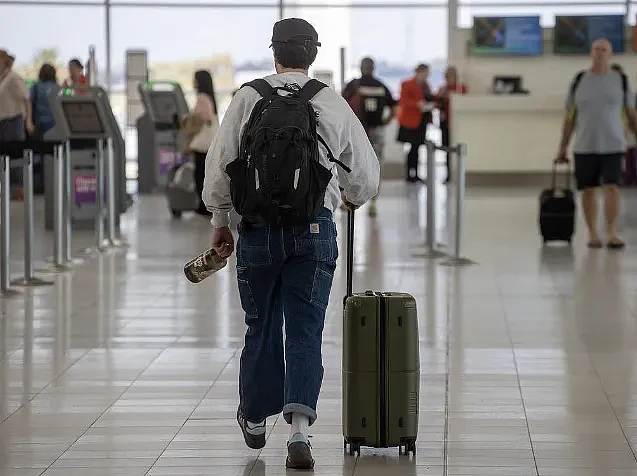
[370, 99]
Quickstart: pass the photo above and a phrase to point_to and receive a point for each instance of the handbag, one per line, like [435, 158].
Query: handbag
[202, 141]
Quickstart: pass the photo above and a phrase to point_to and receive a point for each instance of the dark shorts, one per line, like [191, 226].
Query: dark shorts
[593, 170]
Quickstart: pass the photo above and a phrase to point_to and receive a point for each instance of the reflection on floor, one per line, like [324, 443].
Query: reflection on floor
[123, 368]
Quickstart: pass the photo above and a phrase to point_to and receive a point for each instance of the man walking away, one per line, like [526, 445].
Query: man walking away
[369, 98]
[597, 101]
[280, 161]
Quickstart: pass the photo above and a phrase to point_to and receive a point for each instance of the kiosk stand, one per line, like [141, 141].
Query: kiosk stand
[82, 156]
[84, 119]
[158, 136]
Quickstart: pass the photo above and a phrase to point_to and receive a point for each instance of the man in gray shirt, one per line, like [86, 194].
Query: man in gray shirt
[598, 102]
[285, 272]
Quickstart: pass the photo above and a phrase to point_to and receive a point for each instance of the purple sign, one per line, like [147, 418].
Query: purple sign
[85, 189]
[166, 160]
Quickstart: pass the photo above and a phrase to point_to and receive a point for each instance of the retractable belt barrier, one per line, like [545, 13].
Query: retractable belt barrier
[21, 153]
[15, 153]
[431, 248]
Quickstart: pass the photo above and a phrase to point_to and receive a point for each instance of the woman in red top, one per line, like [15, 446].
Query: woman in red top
[76, 75]
[444, 93]
[414, 115]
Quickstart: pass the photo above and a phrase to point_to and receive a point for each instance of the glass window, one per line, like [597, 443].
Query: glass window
[547, 14]
[186, 39]
[55, 35]
[402, 38]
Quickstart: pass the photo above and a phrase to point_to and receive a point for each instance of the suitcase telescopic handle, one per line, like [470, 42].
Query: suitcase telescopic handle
[350, 251]
[554, 176]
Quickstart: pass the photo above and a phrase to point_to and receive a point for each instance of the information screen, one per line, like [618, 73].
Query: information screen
[83, 117]
[507, 36]
[164, 106]
[576, 34]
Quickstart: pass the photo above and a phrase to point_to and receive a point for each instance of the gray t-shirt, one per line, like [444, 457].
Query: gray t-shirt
[598, 106]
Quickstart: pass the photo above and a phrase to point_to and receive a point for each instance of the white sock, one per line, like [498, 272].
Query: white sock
[255, 428]
[300, 424]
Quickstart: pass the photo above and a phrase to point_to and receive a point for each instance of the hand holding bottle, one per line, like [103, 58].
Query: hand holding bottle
[223, 241]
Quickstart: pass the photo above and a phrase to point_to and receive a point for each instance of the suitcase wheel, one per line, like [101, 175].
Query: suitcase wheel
[176, 213]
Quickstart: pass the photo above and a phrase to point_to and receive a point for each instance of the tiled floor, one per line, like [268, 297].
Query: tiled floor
[123, 368]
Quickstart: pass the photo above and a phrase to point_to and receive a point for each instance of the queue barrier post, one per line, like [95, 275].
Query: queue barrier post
[456, 259]
[29, 278]
[430, 249]
[5, 227]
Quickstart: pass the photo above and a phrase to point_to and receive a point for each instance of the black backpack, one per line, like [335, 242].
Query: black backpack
[277, 178]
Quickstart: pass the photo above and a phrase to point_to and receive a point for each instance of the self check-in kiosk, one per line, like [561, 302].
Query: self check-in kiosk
[83, 156]
[158, 138]
[81, 117]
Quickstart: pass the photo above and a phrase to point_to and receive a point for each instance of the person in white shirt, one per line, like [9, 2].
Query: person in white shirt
[286, 269]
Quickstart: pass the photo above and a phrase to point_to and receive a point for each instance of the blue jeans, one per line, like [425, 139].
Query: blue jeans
[284, 270]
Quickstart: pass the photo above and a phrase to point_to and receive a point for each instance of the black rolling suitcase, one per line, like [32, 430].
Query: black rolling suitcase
[557, 210]
[381, 366]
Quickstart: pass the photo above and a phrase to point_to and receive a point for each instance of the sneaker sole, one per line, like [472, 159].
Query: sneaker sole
[255, 442]
[299, 456]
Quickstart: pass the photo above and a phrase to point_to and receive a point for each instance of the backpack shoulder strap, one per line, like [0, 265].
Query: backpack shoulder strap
[625, 90]
[311, 89]
[262, 87]
[577, 80]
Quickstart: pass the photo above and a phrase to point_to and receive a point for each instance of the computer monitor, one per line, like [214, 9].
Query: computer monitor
[83, 118]
[164, 104]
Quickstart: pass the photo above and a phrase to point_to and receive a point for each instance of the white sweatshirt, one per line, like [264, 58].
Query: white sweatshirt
[338, 126]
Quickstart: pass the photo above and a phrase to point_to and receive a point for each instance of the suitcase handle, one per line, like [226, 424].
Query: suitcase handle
[350, 251]
[554, 176]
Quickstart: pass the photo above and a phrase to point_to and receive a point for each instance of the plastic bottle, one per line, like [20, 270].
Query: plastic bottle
[196, 270]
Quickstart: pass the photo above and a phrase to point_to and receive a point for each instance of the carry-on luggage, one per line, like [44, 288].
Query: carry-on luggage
[181, 190]
[381, 366]
[557, 210]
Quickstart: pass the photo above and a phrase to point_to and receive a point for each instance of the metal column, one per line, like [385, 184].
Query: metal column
[461, 158]
[430, 250]
[5, 228]
[113, 239]
[452, 27]
[29, 278]
[100, 243]
[342, 72]
[59, 250]
[107, 34]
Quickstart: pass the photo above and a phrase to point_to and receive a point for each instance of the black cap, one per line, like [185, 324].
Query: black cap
[295, 30]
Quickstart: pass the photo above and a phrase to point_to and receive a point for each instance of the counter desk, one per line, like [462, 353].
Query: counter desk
[511, 137]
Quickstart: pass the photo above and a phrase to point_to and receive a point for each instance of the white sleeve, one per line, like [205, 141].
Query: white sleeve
[361, 184]
[223, 150]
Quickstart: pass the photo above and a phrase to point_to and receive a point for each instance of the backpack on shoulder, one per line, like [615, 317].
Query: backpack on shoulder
[578, 79]
[278, 178]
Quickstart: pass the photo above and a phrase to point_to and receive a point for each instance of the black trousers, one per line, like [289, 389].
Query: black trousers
[200, 174]
[412, 161]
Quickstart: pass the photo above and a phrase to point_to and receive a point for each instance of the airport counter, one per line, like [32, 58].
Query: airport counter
[511, 139]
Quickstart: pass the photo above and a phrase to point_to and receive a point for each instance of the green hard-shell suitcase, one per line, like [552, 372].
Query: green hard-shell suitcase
[381, 366]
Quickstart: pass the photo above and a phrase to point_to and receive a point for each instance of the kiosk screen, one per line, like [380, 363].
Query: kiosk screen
[164, 106]
[83, 117]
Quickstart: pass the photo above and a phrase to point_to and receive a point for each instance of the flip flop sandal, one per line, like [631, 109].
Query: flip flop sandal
[615, 245]
[595, 244]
